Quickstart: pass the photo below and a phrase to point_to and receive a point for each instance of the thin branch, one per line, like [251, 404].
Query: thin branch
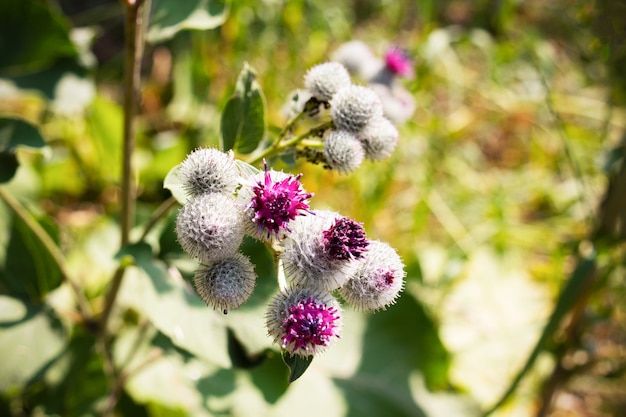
[158, 214]
[276, 150]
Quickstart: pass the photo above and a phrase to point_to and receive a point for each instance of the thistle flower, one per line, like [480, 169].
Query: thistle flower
[208, 170]
[351, 108]
[273, 201]
[379, 139]
[343, 151]
[227, 283]
[304, 321]
[324, 80]
[345, 240]
[210, 227]
[358, 59]
[320, 250]
[398, 62]
[377, 280]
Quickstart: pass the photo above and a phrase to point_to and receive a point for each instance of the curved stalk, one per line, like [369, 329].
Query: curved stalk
[276, 150]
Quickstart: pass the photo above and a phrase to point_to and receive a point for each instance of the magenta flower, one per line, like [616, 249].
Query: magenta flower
[398, 62]
[345, 240]
[309, 324]
[304, 321]
[277, 199]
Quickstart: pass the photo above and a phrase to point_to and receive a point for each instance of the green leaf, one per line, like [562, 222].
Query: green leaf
[174, 183]
[297, 365]
[33, 36]
[29, 271]
[64, 392]
[165, 379]
[31, 337]
[13, 134]
[243, 119]
[168, 17]
[173, 307]
[271, 377]
[398, 343]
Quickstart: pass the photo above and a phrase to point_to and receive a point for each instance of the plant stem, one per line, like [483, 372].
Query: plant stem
[132, 76]
[275, 150]
[134, 25]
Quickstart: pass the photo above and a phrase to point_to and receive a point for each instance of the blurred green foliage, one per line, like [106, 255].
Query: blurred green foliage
[495, 198]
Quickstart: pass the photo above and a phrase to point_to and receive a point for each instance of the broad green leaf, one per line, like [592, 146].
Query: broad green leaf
[243, 119]
[29, 271]
[34, 35]
[297, 365]
[65, 392]
[271, 377]
[167, 381]
[168, 17]
[30, 338]
[173, 306]
[398, 342]
[13, 134]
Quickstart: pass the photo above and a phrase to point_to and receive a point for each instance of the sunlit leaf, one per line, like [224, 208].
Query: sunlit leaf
[243, 119]
[30, 338]
[65, 392]
[173, 307]
[171, 16]
[174, 183]
[398, 342]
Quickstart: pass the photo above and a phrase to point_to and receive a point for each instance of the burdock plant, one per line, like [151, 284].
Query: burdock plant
[322, 258]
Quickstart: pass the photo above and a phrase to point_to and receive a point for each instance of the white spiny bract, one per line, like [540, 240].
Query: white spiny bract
[353, 107]
[379, 139]
[343, 151]
[324, 80]
[208, 170]
[377, 280]
[305, 261]
[227, 283]
[210, 227]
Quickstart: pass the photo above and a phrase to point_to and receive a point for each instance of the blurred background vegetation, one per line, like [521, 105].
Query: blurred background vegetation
[505, 198]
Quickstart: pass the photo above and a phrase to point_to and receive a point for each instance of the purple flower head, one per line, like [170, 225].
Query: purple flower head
[275, 202]
[345, 240]
[309, 324]
[398, 62]
[304, 321]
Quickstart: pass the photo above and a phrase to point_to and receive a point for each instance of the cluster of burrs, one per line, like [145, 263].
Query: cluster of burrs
[358, 130]
[322, 256]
